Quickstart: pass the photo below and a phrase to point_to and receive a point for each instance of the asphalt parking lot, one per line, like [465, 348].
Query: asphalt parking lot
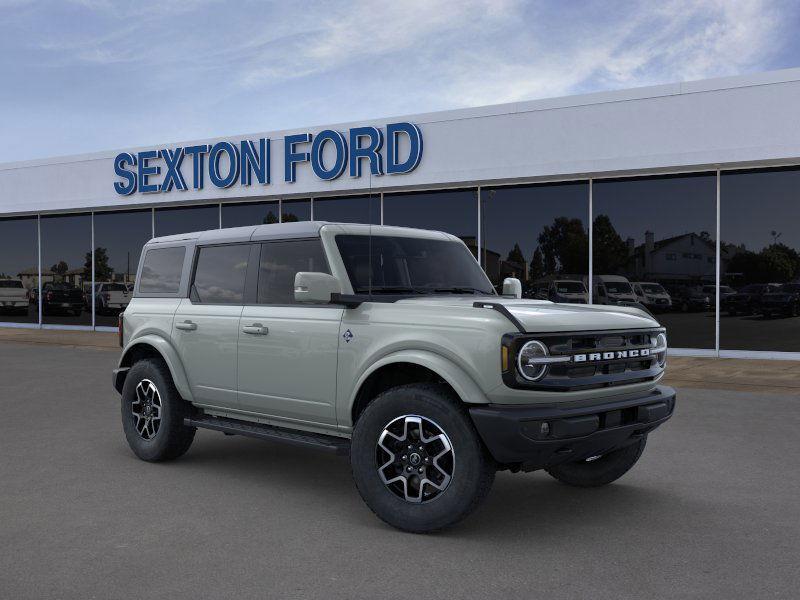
[711, 510]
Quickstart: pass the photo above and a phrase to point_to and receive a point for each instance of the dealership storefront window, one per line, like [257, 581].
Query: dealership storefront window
[66, 242]
[250, 213]
[539, 234]
[118, 241]
[654, 242]
[760, 238]
[19, 270]
[171, 221]
[349, 209]
[453, 211]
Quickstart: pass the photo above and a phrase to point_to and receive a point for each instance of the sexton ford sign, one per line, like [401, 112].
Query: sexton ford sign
[330, 153]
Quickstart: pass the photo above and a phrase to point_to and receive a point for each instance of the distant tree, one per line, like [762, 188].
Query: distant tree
[270, 218]
[776, 263]
[610, 250]
[564, 246]
[102, 270]
[289, 218]
[536, 268]
[60, 268]
[515, 255]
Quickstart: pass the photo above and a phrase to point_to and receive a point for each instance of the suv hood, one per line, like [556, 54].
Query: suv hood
[545, 316]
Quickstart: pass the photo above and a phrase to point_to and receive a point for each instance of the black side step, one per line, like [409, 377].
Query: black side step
[327, 443]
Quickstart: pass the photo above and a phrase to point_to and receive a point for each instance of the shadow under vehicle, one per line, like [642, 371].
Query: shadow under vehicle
[59, 298]
[747, 301]
[691, 299]
[784, 301]
[13, 296]
[652, 295]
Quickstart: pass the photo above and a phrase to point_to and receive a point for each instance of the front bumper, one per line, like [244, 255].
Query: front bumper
[535, 437]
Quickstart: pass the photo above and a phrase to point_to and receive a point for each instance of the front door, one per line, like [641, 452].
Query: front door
[206, 325]
[287, 350]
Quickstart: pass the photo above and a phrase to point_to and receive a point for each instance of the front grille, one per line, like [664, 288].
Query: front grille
[606, 362]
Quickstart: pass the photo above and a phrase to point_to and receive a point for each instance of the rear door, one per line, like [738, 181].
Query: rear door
[288, 351]
[206, 324]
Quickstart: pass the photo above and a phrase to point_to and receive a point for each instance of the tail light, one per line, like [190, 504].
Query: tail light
[119, 328]
[106, 296]
[49, 296]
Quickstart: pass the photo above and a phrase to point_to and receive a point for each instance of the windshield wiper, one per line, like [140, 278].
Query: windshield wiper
[389, 289]
[461, 290]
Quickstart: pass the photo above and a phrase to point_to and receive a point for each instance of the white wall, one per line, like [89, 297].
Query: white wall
[731, 121]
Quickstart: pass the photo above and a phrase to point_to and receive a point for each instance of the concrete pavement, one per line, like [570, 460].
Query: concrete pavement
[710, 511]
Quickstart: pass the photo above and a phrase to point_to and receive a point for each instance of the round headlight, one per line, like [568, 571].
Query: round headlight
[660, 349]
[527, 358]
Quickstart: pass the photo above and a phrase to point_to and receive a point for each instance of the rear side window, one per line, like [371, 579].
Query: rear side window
[161, 271]
[10, 283]
[280, 262]
[220, 274]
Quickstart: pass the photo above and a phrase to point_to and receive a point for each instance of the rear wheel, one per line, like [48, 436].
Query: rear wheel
[599, 470]
[417, 460]
[153, 413]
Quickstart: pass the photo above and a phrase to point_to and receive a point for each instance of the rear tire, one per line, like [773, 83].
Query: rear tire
[153, 413]
[600, 471]
[428, 417]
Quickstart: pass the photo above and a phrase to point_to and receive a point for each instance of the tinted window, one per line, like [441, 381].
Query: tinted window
[220, 274]
[161, 272]
[249, 213]
[660, 230]
[118, 238]
[11, 283]
[295, 210]
[760, 244]
[350, 209]
[19, 258]
[403, 265]
[171, 221]
[280, 261]
[538, 234]
[67, 259]
[455, 212]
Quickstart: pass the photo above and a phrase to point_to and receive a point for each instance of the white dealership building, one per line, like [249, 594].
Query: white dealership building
[691, 190]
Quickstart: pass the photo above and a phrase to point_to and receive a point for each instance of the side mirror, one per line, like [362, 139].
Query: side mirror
[512, 287]
[315, 287]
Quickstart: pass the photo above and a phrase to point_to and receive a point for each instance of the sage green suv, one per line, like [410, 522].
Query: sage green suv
[388, 345]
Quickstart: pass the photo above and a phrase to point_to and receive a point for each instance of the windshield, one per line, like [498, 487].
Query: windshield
[726, 289]
[570, 287]
[402, 265]
[653, 288]
[618, 287]
[10, 283]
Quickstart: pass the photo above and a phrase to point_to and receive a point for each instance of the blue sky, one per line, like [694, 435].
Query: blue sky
[86, 75]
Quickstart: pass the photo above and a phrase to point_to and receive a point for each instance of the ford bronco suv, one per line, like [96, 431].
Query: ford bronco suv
[390, 346]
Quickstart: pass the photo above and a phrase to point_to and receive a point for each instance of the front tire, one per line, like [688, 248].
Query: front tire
[599, 471]
[153, 413]
[417, 460]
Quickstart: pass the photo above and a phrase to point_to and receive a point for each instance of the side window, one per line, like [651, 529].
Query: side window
[161, 271]
[220, 274]
[280, 262]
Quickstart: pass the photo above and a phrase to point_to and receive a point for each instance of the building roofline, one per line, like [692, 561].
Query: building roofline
[776, 77]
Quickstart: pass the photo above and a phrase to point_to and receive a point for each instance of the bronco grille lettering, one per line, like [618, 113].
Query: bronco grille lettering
[616, 355]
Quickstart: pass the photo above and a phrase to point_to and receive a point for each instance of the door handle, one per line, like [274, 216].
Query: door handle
[255, 329]
[186, 326]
